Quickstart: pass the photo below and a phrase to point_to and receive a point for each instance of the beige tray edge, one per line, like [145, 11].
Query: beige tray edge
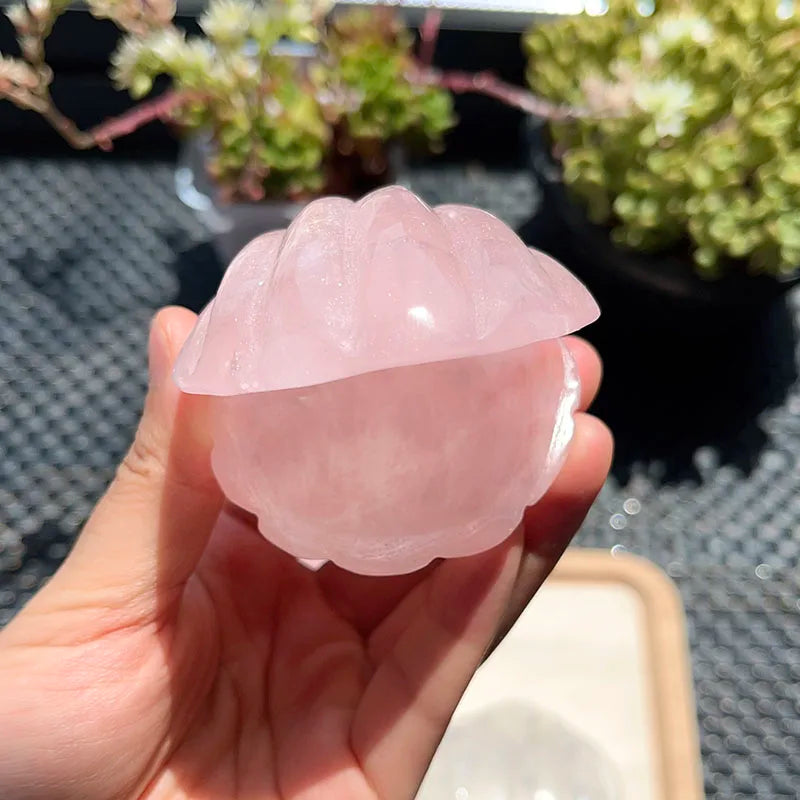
[668, 655]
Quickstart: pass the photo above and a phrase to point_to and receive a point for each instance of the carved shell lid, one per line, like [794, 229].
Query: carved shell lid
[355, 287]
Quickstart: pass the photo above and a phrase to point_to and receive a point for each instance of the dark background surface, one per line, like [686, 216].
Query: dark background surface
[706, 480]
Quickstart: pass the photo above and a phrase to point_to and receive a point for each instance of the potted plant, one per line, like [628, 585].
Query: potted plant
[277, 102]
[281, 101]
[677, 175]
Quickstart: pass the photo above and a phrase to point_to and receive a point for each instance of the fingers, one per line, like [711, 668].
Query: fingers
[151, 527]
[553, 521]
[447, 624]
[420, 678]
[590, 369]
[366, 600]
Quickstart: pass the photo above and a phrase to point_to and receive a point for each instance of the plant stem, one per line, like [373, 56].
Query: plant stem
[429, 36]
[32, 35]
[65, 126]
[159, 108]
[486, 83]
[103, 134]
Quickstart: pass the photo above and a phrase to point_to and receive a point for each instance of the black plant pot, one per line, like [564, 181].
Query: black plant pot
[656, 291]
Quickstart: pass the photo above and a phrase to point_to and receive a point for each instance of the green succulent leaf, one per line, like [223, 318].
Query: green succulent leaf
[696, 130]
[273, 112]
[284, 91]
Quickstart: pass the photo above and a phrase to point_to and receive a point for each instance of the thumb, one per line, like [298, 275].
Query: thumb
[148, 532]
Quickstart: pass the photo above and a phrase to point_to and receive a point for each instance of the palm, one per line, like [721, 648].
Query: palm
[310, 681]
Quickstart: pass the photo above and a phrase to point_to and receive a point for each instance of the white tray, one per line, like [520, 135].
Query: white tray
[588, 698]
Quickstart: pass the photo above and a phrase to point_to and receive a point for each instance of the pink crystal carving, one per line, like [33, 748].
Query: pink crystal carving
[388, 380]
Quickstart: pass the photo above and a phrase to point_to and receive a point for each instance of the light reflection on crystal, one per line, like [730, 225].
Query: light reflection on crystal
[421, 315]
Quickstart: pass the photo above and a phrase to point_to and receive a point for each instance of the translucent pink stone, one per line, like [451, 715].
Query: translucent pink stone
[389, 385]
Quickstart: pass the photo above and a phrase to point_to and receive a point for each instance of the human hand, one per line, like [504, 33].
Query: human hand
[178, 654]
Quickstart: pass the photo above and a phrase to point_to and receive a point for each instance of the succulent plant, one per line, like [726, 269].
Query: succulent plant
[289, 95]
[691, 130]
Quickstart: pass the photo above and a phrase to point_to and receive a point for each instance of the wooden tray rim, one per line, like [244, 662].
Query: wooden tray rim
[667, 655]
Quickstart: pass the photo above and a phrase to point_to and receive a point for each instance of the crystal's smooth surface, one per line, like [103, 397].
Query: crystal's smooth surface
[385, 282]
[383, 472]
[388, 382]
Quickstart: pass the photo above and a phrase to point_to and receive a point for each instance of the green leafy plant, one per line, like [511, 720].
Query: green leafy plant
[292, 99]
[690, 129]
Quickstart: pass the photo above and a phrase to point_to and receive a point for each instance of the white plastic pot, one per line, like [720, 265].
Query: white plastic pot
[232, 225]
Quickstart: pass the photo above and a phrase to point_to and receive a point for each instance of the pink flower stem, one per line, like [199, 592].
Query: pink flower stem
[160, 108]
[429, 36]
[487, 84]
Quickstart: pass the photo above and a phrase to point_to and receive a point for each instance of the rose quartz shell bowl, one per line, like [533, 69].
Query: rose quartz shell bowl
[389, 382]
